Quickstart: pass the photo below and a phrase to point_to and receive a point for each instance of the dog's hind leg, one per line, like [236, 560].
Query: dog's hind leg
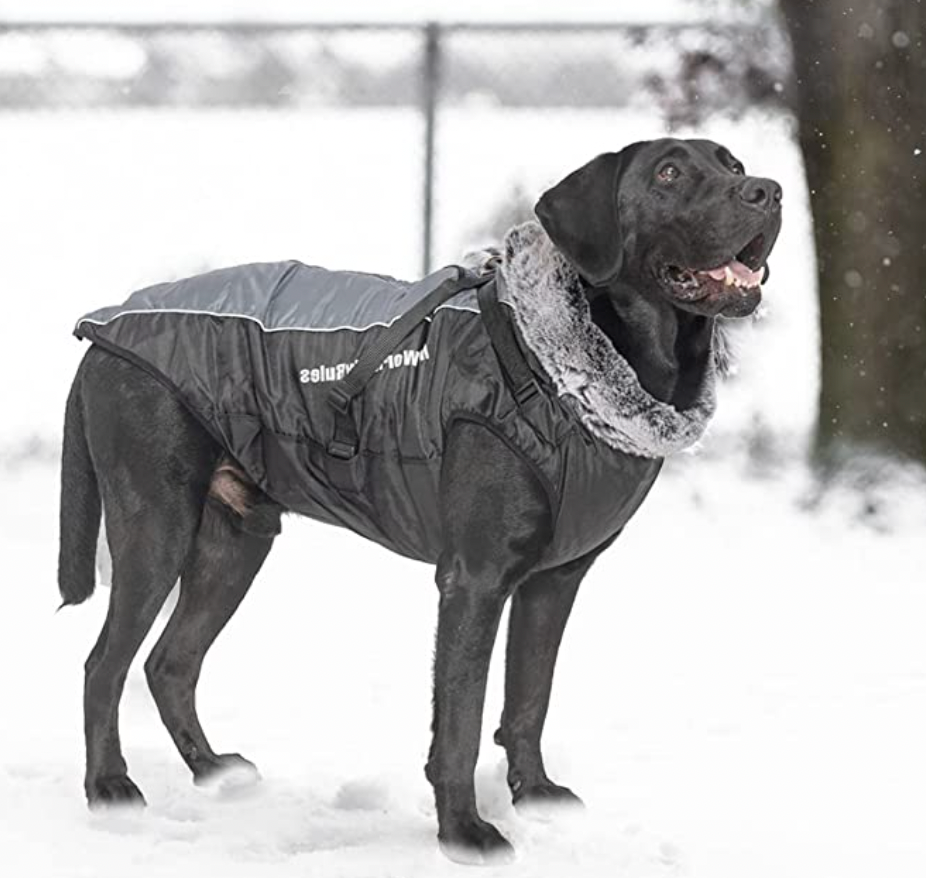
[153, 463]
[226, 558]
[142, 578]
[540, 610]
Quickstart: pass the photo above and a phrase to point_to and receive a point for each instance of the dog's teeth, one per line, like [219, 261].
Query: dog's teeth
[728, 276]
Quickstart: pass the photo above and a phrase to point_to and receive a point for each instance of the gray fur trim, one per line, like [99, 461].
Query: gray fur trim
[552, 313]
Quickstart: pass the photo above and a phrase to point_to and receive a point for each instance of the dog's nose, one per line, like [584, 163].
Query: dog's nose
[760, 192]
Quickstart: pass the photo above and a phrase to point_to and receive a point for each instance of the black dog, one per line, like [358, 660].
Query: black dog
[640, 250]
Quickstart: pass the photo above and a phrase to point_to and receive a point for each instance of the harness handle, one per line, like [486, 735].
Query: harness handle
[345, 441]
[516, 372]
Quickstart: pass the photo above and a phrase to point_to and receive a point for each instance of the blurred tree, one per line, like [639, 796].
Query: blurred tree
[860, 67]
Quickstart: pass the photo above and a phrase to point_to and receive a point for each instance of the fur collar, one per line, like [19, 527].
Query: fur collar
[553, 316]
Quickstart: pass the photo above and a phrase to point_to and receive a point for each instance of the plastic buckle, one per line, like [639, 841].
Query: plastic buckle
[342, 450]
[340, 399]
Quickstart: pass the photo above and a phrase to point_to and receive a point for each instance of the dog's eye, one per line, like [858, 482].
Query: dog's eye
[668, 173]
[737, 168]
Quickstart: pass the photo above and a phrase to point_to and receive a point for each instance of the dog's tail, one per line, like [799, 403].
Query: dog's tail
[80, 507]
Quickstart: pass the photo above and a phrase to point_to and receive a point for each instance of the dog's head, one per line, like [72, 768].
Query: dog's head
[673, 218]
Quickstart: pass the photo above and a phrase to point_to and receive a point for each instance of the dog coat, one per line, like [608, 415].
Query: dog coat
[335, 390]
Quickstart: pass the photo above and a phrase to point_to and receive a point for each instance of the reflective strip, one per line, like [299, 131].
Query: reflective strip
[471, 310]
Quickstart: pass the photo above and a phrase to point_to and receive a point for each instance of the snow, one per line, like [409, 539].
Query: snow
[742, 689]
[751, 700]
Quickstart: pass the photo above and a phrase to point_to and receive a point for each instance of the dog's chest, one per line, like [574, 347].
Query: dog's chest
[600, 490]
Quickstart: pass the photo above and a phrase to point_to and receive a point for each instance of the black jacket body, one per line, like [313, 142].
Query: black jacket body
[254, 351]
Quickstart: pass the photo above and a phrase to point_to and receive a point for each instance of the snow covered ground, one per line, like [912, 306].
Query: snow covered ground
[742, 689]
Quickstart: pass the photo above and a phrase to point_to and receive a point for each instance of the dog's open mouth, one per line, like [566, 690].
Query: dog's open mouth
[736, 276]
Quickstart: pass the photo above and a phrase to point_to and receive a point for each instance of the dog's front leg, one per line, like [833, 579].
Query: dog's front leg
[470, 608]
[496, 523]
[539, 612]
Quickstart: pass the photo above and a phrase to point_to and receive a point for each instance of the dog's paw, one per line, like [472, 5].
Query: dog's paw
[226, 771]
[545, 800]
[114, 791]
[474, 842]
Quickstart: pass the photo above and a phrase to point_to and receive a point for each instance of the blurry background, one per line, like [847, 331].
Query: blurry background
[136, 152]
[743, 686]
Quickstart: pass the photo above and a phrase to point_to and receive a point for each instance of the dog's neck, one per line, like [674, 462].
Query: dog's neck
[639, 379]
[668, 349]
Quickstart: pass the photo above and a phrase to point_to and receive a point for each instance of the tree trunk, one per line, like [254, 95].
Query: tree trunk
[861, 91]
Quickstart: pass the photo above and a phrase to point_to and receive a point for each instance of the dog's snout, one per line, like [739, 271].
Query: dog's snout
[760, 192]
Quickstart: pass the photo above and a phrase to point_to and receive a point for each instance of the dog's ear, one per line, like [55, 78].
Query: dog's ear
[581, 215]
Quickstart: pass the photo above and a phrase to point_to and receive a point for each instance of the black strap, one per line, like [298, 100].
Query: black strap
[345, 441]
[515, 369]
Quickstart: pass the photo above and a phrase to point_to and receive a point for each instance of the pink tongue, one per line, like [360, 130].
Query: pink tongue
[752, 278]
[749, 277]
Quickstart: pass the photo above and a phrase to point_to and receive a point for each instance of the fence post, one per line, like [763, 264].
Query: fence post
[430, 88]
